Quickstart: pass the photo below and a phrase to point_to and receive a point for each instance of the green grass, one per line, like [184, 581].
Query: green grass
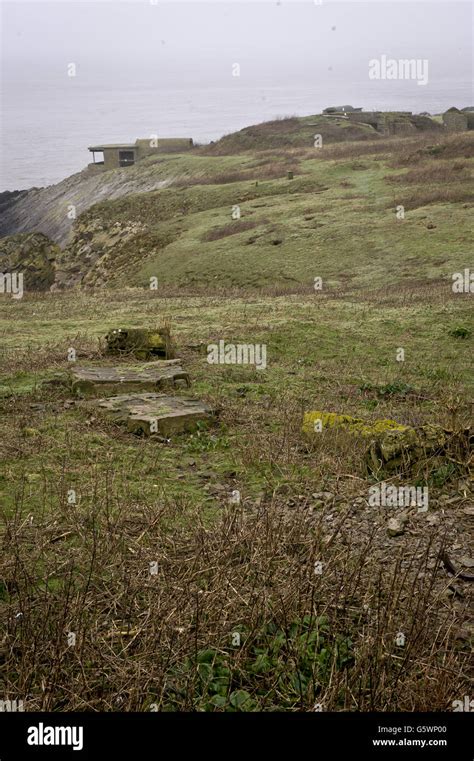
[336, 219]
[304, 336]
[83, 563]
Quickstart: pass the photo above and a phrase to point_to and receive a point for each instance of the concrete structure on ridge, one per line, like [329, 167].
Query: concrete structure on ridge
[116, 155]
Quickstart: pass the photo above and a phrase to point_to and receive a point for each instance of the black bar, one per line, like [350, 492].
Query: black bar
[247, 736]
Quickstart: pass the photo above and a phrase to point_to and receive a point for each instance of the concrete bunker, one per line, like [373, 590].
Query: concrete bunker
[119, 155]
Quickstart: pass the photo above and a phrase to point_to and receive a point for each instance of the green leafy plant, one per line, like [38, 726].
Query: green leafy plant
[460, 332]
[275, 667]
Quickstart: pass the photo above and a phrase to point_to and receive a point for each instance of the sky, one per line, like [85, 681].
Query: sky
[183, 44]
[147, 67]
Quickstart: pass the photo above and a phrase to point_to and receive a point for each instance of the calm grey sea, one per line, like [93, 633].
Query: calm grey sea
[48, 123]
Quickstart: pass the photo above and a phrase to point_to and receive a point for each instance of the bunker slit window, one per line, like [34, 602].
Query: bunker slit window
[126, 158]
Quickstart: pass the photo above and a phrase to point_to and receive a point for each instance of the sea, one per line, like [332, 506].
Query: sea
[48, 124]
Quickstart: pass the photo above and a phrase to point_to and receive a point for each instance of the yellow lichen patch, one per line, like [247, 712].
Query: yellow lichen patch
[317, 420]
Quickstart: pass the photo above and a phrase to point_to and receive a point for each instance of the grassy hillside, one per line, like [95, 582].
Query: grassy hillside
[336, 219]
[294, 598]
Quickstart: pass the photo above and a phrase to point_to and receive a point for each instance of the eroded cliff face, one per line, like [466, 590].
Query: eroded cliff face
[53, 210]
[33, 256]
[97, 253]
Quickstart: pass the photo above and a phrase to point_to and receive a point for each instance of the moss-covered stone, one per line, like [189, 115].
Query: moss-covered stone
[352, 424]
[395, 449]
[140, 343]
[391, 445]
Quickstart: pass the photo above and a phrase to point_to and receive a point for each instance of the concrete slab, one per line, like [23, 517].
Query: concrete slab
[94, 380]
[159, 414]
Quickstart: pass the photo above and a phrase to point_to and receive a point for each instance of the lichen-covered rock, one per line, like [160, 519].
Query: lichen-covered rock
[392, 446]
[318, 419]
[140, 343]
[32, 254]
[395, 449]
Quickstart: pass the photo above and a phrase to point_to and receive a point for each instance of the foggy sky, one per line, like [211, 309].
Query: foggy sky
[181, 44]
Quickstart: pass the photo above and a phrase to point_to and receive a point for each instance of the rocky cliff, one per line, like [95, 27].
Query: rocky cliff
[53, 210]
[32, 254]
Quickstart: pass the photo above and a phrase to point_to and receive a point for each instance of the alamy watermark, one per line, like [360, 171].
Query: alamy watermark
[466, 704]
[463, 282]
[237, 354]
[44, 735]
[386, 495]
[12, 282]
[11, 706]
[403, 68]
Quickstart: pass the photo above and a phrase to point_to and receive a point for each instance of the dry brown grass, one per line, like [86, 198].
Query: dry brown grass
[442, 146]
[424, 196]
[405, 151]
[438, 181]
[141, 638]
[434, 173]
